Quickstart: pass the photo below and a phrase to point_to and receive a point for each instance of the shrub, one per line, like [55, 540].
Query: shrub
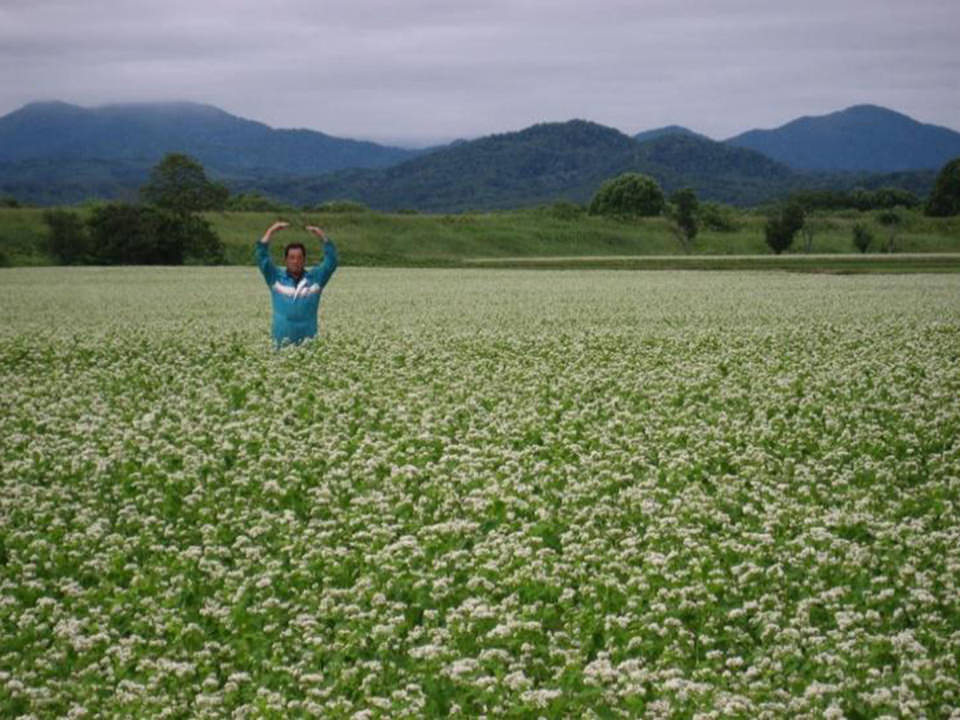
[862, 237]
[67, 238]
[567, 211]
[783, 227]
[628, 195]
[892, 220]
[683, 212]
[123, 234]
[717, 217]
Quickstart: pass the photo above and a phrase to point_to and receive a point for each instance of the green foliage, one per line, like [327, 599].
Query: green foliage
[781, 229]
[945, 198]
[8, 201]
[517, 494]
[567, 211]
[68, 240]
[381, 239]
[892, 220]
[858, 198]
[179, 183]
[254, 202]
[339, 206]
[718, 217]
[683, 212]
[888, 198]
[628, 195]
[123, 234]
[808, 231]
[862, 237]
[201, 242]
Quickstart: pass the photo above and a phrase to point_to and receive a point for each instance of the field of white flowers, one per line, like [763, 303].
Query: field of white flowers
[481, 493]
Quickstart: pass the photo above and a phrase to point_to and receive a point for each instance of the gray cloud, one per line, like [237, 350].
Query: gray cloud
[431, 69]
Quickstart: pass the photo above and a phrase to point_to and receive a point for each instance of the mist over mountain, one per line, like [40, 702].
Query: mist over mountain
[860, 138]
[55, 153]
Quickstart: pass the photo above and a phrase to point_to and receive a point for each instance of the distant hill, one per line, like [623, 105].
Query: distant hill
[55, 153]
[133, 138]
[668, 130]
[718, 172]
[860, 138]
[544, 163]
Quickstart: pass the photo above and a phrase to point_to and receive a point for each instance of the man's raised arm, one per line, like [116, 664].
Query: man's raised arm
[321, 274]
[267, 268]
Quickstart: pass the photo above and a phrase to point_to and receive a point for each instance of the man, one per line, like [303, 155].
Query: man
[295, 292]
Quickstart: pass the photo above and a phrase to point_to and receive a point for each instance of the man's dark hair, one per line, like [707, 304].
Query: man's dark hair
[293, 246]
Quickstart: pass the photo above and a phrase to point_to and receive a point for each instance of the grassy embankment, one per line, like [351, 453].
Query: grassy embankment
[538, 238]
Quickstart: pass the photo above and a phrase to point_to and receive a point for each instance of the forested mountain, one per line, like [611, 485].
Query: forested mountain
[132, 138]
[551, 160]
[54, 153]
[860, 138]
[544, 163]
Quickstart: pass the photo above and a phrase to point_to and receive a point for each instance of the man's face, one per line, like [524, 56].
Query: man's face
[294, 261]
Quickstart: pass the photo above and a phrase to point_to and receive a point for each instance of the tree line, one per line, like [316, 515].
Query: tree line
[166, 227]
[163, 229]
[637, 195]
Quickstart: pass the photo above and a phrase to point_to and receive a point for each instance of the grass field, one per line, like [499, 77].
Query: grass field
[379, 239]
[480, 493]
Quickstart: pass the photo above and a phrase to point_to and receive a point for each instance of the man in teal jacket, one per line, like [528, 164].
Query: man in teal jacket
[294, 291]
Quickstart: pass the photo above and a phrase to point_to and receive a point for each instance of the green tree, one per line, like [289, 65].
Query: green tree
[67, 237]
[808, 231]
[683, 213]
[200, 241]
[892, 220]
[945, 199]
[862, 237]
[717, 217]
[887, 198]
[179, 183]
[628, 195]
[123, 234]
[782, 227]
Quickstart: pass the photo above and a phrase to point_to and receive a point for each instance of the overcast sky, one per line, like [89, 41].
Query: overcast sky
[419, 71]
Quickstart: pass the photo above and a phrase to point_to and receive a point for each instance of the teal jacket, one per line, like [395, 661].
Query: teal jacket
[295, 304]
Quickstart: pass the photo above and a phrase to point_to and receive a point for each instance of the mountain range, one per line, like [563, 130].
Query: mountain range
[54, 153]
[541, 164]
[863, 138]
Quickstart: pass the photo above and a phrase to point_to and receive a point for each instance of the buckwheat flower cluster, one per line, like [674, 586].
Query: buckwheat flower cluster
[480, 494]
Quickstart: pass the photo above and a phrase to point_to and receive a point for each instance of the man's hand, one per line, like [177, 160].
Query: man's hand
[316, 231]
[279, 225]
